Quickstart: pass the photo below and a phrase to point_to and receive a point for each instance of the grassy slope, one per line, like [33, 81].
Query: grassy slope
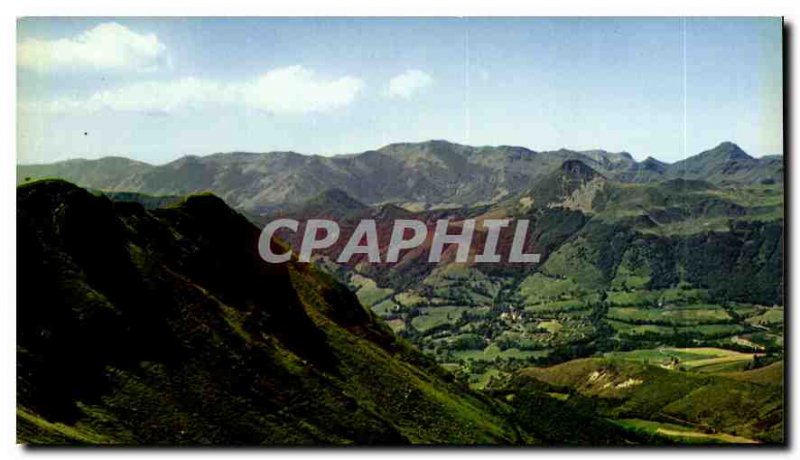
[630, 389]
[769, 375]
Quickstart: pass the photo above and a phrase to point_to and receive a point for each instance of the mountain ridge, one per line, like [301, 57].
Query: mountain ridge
[434, 173]
[505, 147]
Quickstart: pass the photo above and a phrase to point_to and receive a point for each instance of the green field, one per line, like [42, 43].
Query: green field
[432, 317]
[368, 292]
[696, 359]
[768, 317]
[538, 289]
[682, 433]
[689, 315]
[493, 352]
[634, 331]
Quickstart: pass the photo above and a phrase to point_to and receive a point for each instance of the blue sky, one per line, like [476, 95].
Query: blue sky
[158, 89]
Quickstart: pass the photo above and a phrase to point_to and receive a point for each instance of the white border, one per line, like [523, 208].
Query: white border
[14, 9]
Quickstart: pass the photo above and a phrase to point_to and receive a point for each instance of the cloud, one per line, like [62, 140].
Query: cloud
[298, 90]
[287, 90]
[107, 46]
[165, 97]
[407, 83]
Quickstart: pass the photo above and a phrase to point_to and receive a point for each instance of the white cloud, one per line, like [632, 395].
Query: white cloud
[287, 90]
[151, 96]
[298, 90]
[107, 46]
[407, 83]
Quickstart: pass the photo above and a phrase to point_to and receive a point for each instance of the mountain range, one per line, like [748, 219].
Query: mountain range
[417, 175]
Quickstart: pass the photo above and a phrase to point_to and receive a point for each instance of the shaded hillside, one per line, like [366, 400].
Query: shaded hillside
[148, 201]
[573, 185]
[743, 264]
[164, 327]
[331, 204]
[548, 228]
[428, 174]
[105, 174]
[649, 170]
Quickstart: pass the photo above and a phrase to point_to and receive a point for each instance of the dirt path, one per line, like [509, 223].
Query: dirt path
[718, 436]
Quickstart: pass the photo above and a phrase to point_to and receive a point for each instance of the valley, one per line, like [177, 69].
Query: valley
[684, 276]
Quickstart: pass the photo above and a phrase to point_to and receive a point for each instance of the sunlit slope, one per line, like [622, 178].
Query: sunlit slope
[635, 387]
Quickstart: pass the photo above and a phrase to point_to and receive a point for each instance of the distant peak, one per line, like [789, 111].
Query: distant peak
[653, 162]
[428, 143]
[605, 155]
[728, 150]
[439, 141]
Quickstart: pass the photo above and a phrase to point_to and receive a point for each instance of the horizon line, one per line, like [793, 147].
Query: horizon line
[429, 141]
